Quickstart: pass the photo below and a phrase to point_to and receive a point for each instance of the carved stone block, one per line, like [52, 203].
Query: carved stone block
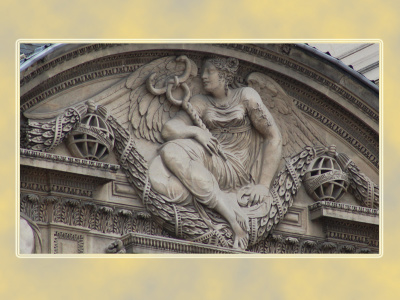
[206, 153]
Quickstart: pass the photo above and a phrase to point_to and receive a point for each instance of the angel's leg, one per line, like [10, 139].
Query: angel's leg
[166, 183]
[202, 184]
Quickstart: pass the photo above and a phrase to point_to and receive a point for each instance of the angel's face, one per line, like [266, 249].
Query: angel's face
[211, 78]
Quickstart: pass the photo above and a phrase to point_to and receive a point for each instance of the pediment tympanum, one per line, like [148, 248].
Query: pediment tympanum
[267, 148]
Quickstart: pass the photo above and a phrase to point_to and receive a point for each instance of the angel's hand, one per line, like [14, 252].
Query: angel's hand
[258, 193]
[208, 141]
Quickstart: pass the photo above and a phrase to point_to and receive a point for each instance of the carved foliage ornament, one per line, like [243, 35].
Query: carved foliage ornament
[87, 214]
[215, 122]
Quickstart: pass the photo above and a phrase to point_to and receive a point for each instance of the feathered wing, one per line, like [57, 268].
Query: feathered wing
[147, 112]
[296, 131]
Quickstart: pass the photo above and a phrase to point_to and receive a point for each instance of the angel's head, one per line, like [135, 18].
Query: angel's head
[219, 72]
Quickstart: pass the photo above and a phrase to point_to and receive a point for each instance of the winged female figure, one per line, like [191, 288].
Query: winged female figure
[217, 153]
[211, 166]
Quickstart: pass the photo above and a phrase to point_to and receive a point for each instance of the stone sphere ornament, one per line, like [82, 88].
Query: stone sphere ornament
[92, 139]
[324, 180]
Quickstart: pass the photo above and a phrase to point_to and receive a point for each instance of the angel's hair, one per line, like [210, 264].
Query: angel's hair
[227, 68]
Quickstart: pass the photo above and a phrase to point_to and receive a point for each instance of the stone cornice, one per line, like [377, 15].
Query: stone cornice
[170, 245]
[37, 155]
[344, 211]
[257, 50]
[344, 206]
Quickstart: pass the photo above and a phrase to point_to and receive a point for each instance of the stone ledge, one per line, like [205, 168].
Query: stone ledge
[344, 212]
[143, 243]
[68, 164]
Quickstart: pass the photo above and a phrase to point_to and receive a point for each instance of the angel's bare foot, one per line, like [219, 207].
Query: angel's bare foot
[241, 216]
[228, 207]
[241, 237]
[242, 219]
[240, 225]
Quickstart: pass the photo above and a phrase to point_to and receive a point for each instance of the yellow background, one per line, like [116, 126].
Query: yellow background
[214, 278]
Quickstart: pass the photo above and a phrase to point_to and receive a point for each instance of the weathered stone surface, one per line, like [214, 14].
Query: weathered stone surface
[210, 150]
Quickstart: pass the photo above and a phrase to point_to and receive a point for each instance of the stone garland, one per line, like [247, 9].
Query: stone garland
[46, 135]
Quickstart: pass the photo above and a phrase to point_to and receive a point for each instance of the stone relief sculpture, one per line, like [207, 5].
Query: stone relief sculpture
[219, 148]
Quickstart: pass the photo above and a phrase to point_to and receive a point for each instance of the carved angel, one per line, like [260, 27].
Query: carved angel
[222, 144]
[217, 153]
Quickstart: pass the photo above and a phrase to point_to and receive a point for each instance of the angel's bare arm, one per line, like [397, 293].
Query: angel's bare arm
[182, 127]
[264, 123]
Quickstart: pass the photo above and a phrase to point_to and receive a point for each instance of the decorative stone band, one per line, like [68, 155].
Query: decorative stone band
[93, 214]
[345, 207]
[178, 222]
[58, 132]
[278, 203]
[287, 243]
[69, 160]
[293, 173]
[313, 183]
[127, 150]
[146, 190]
[96, 133]
[137, 240]
[370, 193]
[253, 229]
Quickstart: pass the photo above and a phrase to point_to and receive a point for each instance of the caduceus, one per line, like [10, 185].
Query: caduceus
[179, 81]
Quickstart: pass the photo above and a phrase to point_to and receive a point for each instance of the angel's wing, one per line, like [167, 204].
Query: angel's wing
[148, 112]
[296, 131]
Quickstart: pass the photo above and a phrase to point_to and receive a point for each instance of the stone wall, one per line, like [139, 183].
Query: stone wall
[82, 206]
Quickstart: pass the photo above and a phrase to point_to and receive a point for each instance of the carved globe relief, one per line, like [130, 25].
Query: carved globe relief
[324, 180]
[92, 139]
